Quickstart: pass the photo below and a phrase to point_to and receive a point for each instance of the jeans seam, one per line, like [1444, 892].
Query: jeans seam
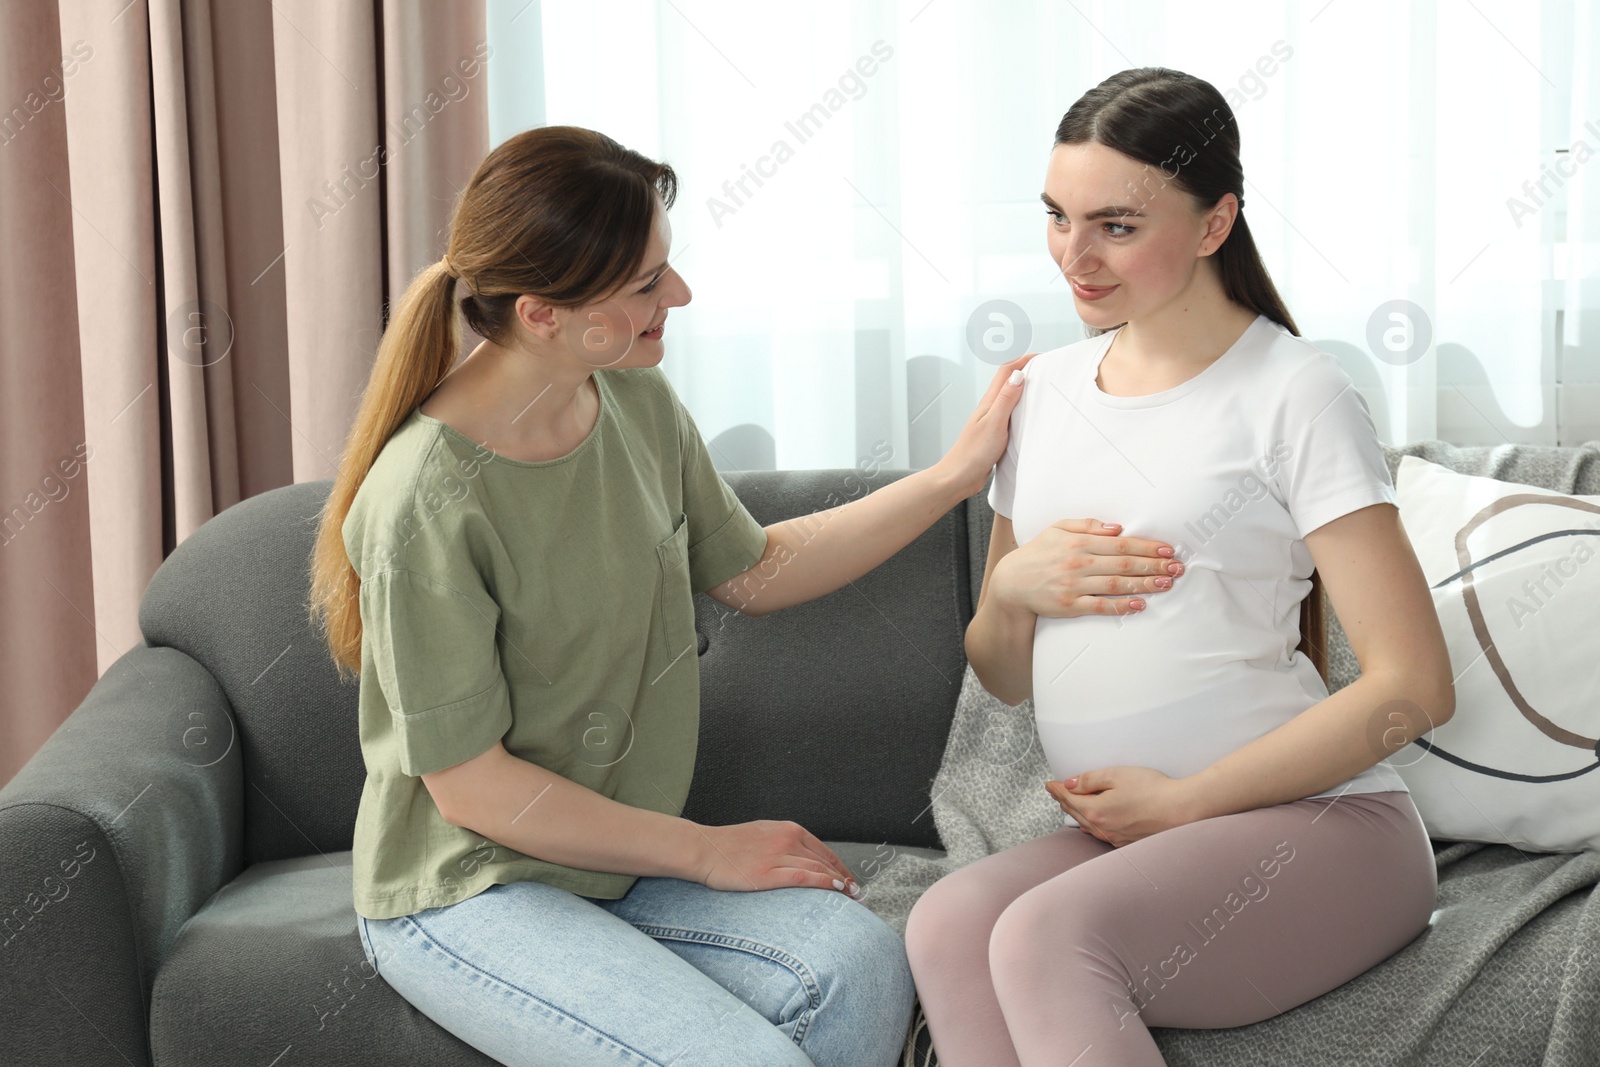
[366, 942]
[537, 1000]
[801, 972]
[799, 969]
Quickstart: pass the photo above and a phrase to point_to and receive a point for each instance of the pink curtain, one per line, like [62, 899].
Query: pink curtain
[204, 206]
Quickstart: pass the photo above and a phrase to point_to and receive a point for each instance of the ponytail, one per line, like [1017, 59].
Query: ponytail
[417, 351]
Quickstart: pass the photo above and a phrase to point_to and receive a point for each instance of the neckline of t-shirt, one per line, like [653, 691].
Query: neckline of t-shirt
[1165, 396]
[594, 432]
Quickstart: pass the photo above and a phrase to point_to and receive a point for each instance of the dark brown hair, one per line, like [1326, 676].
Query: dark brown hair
[559, 212]
[1168, 119]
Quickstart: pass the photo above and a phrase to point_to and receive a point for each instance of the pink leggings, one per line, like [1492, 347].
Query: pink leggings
[1063, 950]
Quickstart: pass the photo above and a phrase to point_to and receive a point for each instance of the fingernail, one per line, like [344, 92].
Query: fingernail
[855, 890]
[838, 884]
[1016, 376]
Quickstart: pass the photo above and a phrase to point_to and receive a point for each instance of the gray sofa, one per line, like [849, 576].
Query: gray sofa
[177, 876]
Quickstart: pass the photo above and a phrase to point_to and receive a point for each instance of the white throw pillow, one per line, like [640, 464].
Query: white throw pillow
[1515, 575]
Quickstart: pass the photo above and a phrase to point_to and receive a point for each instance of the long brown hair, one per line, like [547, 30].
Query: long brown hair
[559, 212]
[1148, 114]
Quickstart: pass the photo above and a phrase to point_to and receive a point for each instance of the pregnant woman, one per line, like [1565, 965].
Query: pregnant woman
[507, 562]
[1233, 845]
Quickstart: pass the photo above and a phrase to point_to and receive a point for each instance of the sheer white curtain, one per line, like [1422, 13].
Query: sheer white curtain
[860, 181]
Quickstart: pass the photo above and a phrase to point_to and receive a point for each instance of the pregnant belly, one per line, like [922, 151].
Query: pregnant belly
[1177, 738]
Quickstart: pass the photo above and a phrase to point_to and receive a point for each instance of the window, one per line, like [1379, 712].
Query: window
[859, 188]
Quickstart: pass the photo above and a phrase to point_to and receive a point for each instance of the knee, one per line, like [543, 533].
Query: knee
[866, 953]
[858, 991]
[1032, 936]
[950, 920]
[1013, 939]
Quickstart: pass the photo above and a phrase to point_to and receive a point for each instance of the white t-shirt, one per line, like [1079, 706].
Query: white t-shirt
[1232, 468]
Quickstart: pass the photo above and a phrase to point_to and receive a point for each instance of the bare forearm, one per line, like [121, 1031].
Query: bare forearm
[1328, 743]
[812, 555]
[542, 814]
[999, 645]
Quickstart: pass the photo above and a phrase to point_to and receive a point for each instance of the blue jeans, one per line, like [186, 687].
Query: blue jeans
[672, 973]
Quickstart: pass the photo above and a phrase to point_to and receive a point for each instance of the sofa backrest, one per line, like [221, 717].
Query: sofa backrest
[233, 595]
[833, 713]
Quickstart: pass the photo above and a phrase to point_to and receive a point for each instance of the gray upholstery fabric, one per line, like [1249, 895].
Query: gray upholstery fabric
[272, 967]
[213, 776]
[233, 597]
[122, 783]
[833, 713]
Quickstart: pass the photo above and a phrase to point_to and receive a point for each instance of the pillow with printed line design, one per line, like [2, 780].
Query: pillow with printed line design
[1516, 583]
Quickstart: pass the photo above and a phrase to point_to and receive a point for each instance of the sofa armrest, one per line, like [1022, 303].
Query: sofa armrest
[117, 830]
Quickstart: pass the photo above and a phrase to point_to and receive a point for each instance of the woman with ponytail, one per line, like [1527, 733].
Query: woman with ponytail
[1232, 846]
[507, 563]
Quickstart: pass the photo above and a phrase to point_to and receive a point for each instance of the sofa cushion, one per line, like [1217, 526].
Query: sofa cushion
[271, 966]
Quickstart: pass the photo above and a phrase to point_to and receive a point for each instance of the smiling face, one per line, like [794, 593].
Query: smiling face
[1125, 236]
[626, 327]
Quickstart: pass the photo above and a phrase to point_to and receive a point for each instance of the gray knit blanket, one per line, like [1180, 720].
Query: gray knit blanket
[1507, 972]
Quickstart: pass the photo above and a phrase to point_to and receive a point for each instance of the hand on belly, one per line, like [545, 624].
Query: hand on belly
[1119, 805]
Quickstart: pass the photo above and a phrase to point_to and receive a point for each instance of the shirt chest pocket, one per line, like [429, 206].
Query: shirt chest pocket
[674, 619]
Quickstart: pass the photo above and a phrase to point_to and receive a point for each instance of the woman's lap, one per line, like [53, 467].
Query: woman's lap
[1354, 884]
[1216, 923]
[672, 972]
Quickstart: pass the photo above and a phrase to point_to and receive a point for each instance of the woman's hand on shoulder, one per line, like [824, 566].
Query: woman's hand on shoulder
[1084, 567]
[770, 854]
[983, 439]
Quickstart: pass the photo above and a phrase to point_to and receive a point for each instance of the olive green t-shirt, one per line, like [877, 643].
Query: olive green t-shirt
[547, 605]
